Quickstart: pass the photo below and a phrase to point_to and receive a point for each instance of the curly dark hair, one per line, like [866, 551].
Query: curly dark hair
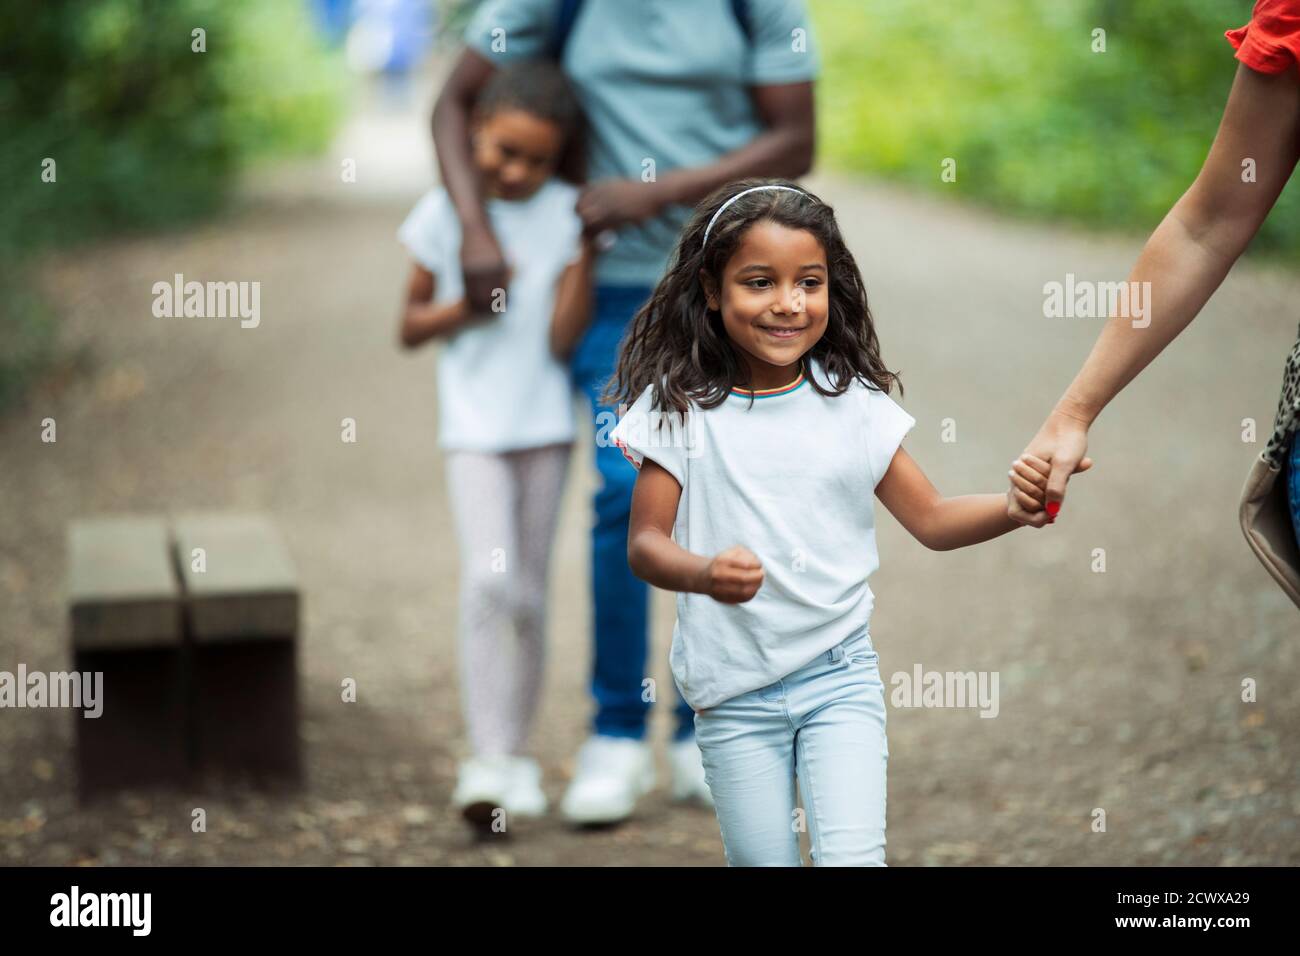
[678, 344]
[539, 88]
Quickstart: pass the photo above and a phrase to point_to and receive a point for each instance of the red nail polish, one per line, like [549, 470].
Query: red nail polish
[1053, 508]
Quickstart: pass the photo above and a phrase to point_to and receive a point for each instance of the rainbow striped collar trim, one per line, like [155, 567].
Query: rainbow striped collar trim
[771, 392]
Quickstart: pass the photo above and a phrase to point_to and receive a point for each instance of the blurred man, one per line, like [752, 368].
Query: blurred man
[681, 96]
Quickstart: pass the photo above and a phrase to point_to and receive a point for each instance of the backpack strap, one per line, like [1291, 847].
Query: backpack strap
[568, 13]
[564, 17]
[740, 10]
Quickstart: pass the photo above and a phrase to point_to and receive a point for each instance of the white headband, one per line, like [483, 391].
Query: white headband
[744, 192]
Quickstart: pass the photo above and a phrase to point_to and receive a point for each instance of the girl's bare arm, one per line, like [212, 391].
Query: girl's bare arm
[940, 523]
[652, 554]
[573, 299]
[421, 319]
[732, 576]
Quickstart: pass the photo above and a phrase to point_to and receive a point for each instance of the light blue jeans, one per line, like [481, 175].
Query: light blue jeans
[823, 724]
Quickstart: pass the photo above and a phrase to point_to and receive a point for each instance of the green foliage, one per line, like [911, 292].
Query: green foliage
[144, 131]
[1037, 121]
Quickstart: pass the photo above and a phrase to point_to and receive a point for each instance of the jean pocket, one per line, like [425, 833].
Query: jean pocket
[859, 649]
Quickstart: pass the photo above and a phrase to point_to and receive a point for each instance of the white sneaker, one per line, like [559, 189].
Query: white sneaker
[688, 773]
[524, 797]
[612, 774]
[483, 786]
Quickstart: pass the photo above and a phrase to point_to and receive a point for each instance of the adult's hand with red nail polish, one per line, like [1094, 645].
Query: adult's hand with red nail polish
[1060, 446]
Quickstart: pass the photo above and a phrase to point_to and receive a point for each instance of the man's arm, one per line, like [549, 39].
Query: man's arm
[480, 255]
[783, 149]
[780, 76]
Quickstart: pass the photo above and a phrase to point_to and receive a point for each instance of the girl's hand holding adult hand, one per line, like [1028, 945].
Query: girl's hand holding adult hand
[1027, 494]
[733, 576]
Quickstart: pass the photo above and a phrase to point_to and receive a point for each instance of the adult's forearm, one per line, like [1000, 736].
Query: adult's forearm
[451, 145]
[1184, 266]
[1187, 257]
[781, 152]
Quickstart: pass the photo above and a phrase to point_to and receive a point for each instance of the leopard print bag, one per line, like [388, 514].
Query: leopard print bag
[1265, 510]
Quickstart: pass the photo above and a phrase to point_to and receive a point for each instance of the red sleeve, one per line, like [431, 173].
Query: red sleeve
[1270, 42]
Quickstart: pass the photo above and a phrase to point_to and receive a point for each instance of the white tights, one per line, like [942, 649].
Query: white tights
[505, 506]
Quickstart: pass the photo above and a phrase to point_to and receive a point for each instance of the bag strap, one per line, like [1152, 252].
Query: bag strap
[568, 13]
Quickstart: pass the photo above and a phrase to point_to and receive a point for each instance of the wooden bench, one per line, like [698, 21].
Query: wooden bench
[199, 656]
[241, 611]
[124, 610]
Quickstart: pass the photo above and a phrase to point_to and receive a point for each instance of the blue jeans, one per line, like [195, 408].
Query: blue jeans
[825, 725]
[621, 608]
[1292, 471]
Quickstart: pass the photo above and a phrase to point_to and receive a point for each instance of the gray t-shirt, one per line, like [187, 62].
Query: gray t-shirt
[665, 82]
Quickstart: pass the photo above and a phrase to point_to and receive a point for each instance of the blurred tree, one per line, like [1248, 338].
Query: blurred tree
[118, 115]
[1038, 117]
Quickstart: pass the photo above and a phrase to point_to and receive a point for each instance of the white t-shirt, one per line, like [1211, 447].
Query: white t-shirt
[499, 386]
[791, 478]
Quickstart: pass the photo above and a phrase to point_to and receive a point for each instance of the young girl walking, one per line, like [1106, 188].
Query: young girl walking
[761, 424]
[505, 418]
